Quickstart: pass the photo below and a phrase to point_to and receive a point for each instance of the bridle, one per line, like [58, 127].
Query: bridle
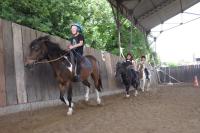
[37, 61]
[49, 61]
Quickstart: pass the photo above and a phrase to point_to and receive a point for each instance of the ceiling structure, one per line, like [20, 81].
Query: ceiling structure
[146, 14]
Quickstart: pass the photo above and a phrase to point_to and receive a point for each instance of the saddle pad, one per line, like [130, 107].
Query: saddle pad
[85, 63]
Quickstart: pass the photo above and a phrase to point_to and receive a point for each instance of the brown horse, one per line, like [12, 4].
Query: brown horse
[42, 50]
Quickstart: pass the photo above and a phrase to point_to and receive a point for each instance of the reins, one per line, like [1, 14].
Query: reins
[53, 60]
[49, 61]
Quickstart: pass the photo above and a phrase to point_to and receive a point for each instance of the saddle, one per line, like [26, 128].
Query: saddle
[85, 63]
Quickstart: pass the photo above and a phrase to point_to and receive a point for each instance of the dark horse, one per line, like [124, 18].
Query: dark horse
[128, 76]
[42, 50]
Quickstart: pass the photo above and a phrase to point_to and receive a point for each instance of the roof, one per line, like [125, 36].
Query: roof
[146, 14]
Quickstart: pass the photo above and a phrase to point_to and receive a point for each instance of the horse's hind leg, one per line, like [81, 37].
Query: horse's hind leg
[98, 96]
[127, 91]
[97, 83]
[69, 98]
[136, 89]
[87, 84]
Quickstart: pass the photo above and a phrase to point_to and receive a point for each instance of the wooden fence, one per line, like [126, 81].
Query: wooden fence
[180, 73]
[21, 86]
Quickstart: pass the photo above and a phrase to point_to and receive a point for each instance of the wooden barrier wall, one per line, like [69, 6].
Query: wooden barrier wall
[19, 85]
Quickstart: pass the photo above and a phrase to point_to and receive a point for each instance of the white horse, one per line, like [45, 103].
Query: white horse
[144, 82]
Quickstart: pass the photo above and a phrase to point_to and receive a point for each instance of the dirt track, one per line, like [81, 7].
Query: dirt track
[166, 110]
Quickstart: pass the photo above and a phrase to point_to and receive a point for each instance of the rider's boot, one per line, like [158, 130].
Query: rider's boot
[77, 75]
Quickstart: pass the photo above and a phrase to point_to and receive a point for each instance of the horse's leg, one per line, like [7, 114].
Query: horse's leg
[62, 98]
[98, 96]
[136, 89]
[127, 91]
[136, 92]
[62, 93]
[87, 84]
[69, 98]
[97, 83]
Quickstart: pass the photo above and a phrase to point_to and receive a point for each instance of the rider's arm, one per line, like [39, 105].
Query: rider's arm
[77, 45]
[81, 42]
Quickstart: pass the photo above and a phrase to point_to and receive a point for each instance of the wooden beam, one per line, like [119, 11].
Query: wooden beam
[11, 90]
[19, 63]
[2, 70]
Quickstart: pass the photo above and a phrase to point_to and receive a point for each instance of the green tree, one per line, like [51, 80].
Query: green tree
[96, 16]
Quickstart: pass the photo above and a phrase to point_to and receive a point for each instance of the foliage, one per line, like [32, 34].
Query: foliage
[96, 16]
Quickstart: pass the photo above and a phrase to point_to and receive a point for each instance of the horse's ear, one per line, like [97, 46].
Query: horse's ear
[46, 38]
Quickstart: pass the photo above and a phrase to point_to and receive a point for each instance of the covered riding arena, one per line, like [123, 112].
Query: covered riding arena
[29, 100]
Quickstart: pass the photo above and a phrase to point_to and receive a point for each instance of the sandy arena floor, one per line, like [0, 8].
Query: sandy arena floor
[165, 110]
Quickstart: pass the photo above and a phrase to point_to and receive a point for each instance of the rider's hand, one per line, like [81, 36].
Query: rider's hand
[70, 47]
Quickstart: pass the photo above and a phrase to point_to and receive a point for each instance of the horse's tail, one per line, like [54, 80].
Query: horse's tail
[100, 83]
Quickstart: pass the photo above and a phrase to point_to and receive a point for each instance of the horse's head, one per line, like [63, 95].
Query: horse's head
[120, 69]
[38, 51]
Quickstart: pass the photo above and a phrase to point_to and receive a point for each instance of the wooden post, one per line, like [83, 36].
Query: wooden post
[27, 36]
[11, 90]
[19, 63]
[2, 69]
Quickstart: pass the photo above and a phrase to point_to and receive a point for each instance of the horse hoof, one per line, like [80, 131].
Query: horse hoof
[136, 94]
[86, 99]
[127, 95]
[98, 101]
[70, 110]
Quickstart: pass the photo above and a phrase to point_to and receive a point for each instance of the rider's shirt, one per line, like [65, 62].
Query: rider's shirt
[129, 62]
[146, 67]
[76, 40]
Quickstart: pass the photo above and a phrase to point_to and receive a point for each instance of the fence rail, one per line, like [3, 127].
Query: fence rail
[180, 73]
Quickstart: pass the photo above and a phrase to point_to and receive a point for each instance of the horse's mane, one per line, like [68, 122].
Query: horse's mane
[53, 48]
